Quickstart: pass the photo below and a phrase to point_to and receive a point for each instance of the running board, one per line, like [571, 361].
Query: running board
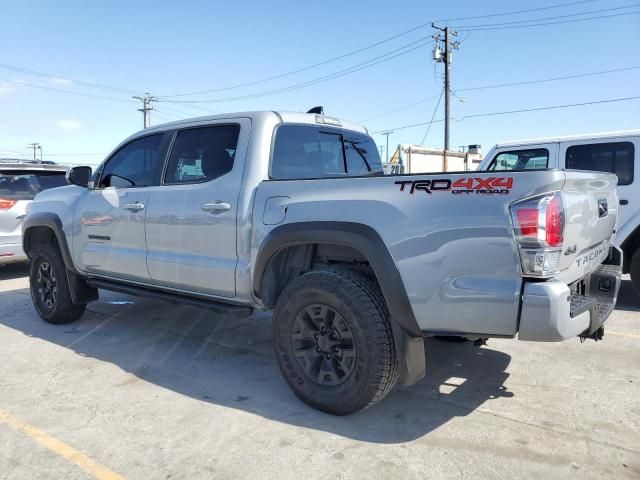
[136, 291]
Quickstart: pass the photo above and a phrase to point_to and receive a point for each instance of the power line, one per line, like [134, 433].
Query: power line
[368, 47]
[303, 69]
[599, 17]
[515, 12]
[68, 92]
[502, 85]
[67, 79]
[552, 79]
[509, 112]
[531, 20]
[367, 64]
[404, 107]
[435, 110]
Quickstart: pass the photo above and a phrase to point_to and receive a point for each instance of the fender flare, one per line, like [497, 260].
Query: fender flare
[53, 223]
[80, 291]
[407, 334]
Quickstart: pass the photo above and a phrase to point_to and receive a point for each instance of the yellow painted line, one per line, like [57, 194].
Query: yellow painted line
[632, 335]
[56, 446]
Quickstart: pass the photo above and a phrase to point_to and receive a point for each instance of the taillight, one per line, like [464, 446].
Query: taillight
[539, 231]
[554, 222]
[7, 204]
[528, 221]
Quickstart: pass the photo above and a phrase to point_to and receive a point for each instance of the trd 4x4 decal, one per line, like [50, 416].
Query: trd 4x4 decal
[491, 185]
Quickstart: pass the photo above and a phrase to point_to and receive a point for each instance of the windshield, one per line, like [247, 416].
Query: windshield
[26, 185]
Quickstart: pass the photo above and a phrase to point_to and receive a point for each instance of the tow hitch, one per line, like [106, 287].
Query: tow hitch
[596, 335]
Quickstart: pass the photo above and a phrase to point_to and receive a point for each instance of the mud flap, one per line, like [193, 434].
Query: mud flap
[410, 355]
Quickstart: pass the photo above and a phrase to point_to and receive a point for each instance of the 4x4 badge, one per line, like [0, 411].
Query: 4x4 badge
[571, 250]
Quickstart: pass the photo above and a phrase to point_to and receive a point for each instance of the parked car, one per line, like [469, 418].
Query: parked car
[20, 182]
[615, 152]
[291, 212]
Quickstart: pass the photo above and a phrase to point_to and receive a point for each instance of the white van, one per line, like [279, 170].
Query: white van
[616, 152]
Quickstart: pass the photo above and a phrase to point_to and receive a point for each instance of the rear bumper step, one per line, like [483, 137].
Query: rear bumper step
[553, 311]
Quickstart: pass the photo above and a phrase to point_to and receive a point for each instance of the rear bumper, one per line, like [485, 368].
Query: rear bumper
[554, 311]
[11, 252]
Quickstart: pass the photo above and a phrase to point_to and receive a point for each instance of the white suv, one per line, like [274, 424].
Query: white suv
[19, 184]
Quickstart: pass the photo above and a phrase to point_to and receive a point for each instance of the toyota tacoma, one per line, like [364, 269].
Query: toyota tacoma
[292, 213]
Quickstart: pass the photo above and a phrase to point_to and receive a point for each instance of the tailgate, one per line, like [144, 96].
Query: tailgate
[590, 209]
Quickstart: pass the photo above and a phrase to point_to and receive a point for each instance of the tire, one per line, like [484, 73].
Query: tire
[635, 271]
[50, 292]
[333, 341]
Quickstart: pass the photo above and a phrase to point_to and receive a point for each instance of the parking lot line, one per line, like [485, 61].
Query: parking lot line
[60, 448]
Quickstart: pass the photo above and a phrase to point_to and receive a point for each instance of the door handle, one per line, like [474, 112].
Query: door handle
[624, 202]
[134, 207]
[216, 207]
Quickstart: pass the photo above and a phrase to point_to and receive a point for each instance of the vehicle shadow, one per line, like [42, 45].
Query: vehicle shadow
[628, 299]
[218, 359]
[14, 270]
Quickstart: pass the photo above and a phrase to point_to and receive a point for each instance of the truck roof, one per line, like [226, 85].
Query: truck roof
[285, 117]
[570, 138]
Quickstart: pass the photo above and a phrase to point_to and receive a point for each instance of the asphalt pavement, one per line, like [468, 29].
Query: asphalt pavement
[143, 389]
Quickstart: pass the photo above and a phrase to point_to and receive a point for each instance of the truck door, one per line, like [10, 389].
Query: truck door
[191, 219]
[524, 157]
[110, 238]
[615, 155]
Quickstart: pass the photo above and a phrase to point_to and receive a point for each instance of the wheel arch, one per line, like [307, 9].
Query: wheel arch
[44, 227]
[366, 242]
[629, 246]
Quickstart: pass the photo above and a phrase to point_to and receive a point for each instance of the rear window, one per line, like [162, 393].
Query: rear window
[25, 185]
[530, 159]
[613, 157]
[305, 152]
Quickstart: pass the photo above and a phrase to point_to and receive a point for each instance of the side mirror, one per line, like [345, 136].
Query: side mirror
[79, 176]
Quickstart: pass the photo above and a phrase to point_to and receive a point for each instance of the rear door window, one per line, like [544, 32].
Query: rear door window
[612, 157]
[529, 159]
[202, 154]
[25, 185]
[306, 152]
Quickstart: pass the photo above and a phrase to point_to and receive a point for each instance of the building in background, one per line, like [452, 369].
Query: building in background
[417, 159]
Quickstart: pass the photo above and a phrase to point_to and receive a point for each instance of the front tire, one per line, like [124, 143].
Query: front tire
[333, 341]
[49, 287]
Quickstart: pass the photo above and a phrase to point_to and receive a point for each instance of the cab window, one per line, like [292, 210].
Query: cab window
[531, 159]
[137, 164]
[202, 154]
[613, 157]
[308, 152]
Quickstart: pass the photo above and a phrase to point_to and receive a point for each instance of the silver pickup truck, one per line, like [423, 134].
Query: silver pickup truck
[291, 212]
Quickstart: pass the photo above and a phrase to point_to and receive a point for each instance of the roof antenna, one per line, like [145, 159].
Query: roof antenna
[319, 110]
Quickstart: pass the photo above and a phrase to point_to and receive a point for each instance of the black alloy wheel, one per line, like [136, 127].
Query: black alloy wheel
[323, 345]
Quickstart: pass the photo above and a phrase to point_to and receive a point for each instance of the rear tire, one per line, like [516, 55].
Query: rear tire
[635, 271]
[333, 341]
[49, 287]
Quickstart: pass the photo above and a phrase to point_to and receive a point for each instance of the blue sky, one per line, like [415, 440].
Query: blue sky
[174, 47]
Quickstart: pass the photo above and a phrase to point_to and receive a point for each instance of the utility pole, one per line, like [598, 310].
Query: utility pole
[35, 146]
[387, 148]
[444, 56]
[146, 108]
